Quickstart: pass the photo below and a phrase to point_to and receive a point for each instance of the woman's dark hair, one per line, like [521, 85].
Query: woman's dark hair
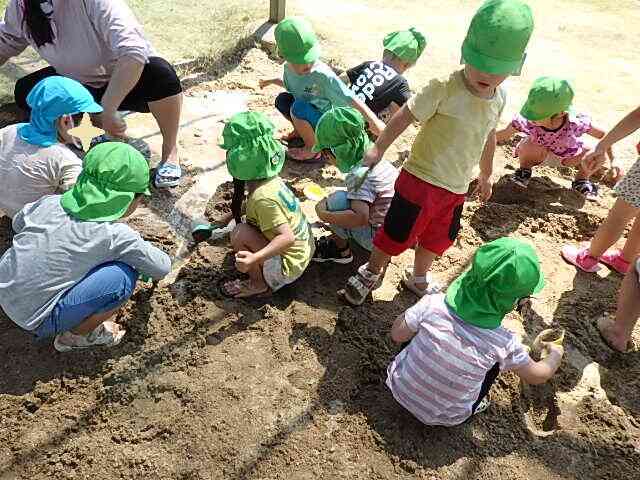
[236, 200]
[38, 23]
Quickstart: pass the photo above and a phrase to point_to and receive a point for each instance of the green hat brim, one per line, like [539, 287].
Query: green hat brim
[310, 56]
[86, 199]
[463, 294]
[458, 297]
[529, 113]
[490, 65]
[243, 165]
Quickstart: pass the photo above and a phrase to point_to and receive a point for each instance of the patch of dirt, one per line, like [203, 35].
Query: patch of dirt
[292, 387]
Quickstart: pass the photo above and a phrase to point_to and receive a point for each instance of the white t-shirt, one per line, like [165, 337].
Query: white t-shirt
[29, 172]
[377, 189]
[438, 377]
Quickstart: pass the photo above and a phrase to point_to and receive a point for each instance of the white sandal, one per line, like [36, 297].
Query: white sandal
[409, 282]
[109, 334]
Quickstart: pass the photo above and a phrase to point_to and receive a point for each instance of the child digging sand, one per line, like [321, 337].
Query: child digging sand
[275, 246]
[72, 266]
[553, 134]
[312, 88]
[458, 346]
[357, 212]
[381, 84]
[459, 115]
[626, 207]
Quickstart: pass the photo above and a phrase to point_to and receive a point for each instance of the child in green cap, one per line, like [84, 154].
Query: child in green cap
[72, 266]
[380, 84]
[357, 212]
[553, 134]
[312, 88]
[455, 145]
[457, 344]
[275, 246]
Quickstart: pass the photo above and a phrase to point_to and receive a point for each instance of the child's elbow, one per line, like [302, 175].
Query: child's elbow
[397, 337]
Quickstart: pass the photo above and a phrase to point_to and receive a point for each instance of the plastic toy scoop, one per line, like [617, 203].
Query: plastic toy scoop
[314, 192]
[201, 230]
[550, 335]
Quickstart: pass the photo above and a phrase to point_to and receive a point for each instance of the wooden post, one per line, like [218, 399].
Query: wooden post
[277, 11]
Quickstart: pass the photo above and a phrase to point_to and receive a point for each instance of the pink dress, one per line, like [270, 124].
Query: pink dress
[563, 142]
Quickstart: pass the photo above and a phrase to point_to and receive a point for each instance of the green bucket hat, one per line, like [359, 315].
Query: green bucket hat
[498, 36]
[113, 174]
[252, 152]
[342, 130]
[407, 45]
[547, 97]
[502, 272]
[296, 41]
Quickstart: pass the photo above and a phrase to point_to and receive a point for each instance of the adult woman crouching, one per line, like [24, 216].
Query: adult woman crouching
[100, 44]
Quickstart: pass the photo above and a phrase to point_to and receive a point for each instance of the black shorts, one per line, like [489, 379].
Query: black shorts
[159, 80]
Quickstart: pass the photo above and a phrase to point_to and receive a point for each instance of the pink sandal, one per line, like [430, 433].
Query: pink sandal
[580, 258]
[614, 260]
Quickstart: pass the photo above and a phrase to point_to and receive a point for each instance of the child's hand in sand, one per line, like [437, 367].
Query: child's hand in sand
[263, 83]
[245, 261]
[484, 189]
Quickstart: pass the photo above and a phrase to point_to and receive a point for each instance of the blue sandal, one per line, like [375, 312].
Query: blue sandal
[168, 175]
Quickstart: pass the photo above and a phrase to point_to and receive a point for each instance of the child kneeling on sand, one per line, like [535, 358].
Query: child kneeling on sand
[458, 346]
[357, 212]
[72, 266]
[276, 244]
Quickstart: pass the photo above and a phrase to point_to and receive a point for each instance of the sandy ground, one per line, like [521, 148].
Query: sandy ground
[292, 387]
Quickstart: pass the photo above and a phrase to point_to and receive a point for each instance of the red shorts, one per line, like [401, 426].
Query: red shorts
[420, 213]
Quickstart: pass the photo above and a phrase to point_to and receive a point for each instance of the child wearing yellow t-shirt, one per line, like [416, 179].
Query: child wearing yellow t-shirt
[276, 245]
[456, 143]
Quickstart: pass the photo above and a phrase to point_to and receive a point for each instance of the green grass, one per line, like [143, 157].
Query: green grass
[182, 29]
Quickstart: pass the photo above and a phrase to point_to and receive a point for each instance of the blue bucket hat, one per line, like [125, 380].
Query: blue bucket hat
[49, 100]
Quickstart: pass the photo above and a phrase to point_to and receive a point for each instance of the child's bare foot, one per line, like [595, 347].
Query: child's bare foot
[243, 289]
[606, 327]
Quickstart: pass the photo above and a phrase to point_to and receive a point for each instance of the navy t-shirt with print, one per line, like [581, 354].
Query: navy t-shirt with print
[378, 84]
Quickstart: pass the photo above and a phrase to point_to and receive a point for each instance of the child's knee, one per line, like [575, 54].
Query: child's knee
[284, 103]
[237, 236]
[531, 154]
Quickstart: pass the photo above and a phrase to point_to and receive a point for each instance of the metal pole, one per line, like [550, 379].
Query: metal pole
[277, 10]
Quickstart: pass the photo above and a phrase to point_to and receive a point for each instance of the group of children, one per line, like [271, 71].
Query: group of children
[457, 344]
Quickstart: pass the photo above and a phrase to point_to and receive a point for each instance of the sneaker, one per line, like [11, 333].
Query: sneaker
[522, 176]
[581, 258]
[107, 334]
[327, 250]
[484, 404]
[586, 188]
[360, 285]
[614, 260]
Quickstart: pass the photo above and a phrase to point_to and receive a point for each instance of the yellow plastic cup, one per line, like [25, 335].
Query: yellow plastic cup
[314, 192]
